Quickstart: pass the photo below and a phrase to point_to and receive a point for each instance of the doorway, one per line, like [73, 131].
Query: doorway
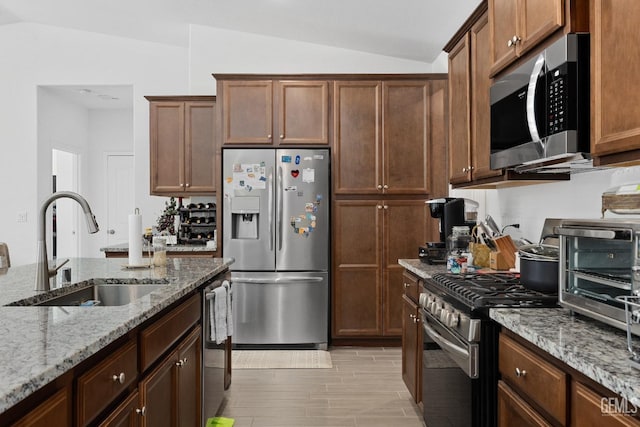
[65, 217]
[120, 196]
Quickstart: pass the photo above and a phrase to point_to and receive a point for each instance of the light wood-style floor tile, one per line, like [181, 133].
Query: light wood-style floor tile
[364, 388]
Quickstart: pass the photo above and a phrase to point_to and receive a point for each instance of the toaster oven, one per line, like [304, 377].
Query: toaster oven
[599, 262]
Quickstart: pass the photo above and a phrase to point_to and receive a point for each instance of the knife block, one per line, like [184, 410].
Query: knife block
[504, 257]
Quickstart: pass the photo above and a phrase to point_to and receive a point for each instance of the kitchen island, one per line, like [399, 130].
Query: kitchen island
[41, 344]
[592, 348]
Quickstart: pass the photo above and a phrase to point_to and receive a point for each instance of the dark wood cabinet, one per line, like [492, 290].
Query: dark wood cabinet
[382, 137]
[469, 107]
[127, 414]
[615, 116]
[519, 25]
[182, 146]
[54, 412]
[538, 390]
[274, 111]
[412, 336]
[369, 238]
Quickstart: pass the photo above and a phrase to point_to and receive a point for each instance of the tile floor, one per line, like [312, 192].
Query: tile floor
[364, 388]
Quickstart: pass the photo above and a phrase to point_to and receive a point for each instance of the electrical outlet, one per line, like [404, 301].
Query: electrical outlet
[22, 216]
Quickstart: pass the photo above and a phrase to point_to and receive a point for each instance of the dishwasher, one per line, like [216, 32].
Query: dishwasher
[216, 359]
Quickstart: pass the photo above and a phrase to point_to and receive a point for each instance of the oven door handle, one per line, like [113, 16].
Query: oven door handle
[446, 345]
[586, 232]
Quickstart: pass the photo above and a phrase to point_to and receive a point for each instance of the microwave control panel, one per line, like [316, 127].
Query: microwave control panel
[557, 105]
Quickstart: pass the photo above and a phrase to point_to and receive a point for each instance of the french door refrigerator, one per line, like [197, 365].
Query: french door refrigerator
[276, 225]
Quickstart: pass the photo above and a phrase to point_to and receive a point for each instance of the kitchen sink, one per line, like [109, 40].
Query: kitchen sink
[97, 293]
[105, 295]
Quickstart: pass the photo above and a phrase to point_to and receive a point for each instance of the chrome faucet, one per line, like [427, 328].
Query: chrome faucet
[43, 272]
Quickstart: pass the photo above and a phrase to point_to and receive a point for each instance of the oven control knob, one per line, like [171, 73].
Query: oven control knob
[452, 322]
[423, 300]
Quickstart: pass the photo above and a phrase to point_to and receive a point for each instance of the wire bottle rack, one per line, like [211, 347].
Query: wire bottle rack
[632, 318]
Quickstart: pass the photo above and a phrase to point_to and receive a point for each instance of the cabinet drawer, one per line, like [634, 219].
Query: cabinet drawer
[513, 411]
[411, 286]
[590, 409]
[98, 387]
[537, 379]
[159, 337]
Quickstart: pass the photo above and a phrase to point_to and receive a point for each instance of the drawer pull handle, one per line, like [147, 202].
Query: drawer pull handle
[520, 373]
[142, 411]
[119, 378]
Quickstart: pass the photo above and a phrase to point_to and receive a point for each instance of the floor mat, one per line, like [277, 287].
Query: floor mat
[281, 359]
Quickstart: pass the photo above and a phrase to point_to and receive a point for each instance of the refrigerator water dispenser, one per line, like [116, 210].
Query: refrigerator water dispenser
[245, 213]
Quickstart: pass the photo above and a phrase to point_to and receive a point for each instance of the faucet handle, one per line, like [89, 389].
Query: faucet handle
[54, 271]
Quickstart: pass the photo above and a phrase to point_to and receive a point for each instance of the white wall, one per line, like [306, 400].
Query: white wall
[44, 55]
[223, 51]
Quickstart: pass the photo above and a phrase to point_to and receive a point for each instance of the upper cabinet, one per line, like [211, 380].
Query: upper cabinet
[518, 25]
[469, 112]
[615, 113]
[274, 112]
[182, 145]
[382, 136]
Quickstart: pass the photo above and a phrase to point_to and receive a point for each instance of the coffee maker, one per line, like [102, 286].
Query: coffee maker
[450, 212]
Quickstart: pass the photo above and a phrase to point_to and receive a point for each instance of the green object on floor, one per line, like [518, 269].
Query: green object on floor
[220, 422]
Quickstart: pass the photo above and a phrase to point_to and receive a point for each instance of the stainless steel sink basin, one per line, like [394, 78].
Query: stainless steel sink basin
[101, 295]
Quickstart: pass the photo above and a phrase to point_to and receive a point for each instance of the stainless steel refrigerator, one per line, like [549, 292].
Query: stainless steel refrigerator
[276, 225]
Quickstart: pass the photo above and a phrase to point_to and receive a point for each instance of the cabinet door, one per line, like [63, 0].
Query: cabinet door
[357, 141]
[53, 412]
[587, 409]
[405, 137]
[538, 19]
[157, 394]
[405, 228]
[513, 411]
[127, 414]
[480, 103]
[166, 132]
[303, 112]
[247, 112]
[411, 363]
[189, 377]
[503, 15]
[357, 227]
[438, 139]
[615, 112]
[459, 113]
[199, 147]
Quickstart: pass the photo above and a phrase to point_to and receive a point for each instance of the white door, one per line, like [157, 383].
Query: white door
[120, 197]
[65, 169]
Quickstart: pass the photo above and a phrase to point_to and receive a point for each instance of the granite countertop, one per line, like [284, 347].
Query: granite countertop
[41, 343]
[422, 269]
[591, 347]
[124, 247]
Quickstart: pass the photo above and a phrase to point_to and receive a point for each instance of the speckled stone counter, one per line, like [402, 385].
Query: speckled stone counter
[422, 269]
[124, 247]
[41, 343]
[592, 348]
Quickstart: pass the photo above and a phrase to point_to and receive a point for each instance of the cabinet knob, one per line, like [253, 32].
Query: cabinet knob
[416, 319]
[406, 285]
[119, 378]
[520, 373]
[187, 184]
[385, 186]
[464, 169]
[142, 412]
[379, 206]
[180, 363]
[281, 136]
[386, 206]
[379, 187]
[269, 136]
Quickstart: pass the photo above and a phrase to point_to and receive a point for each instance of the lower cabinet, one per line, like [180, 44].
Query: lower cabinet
[53, 412]
[538, 390]
[412, 336]
[369, 236]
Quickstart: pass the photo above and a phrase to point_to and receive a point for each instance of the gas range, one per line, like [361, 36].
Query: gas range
[460, 301]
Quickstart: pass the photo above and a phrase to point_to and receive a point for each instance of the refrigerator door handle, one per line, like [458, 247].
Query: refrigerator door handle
[270, 208]
[280, 207]
[266, 281]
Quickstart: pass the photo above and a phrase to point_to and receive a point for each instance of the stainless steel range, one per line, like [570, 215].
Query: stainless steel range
[460, 364]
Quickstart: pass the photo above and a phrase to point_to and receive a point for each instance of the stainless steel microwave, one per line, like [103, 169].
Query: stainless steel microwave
[540, 111]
